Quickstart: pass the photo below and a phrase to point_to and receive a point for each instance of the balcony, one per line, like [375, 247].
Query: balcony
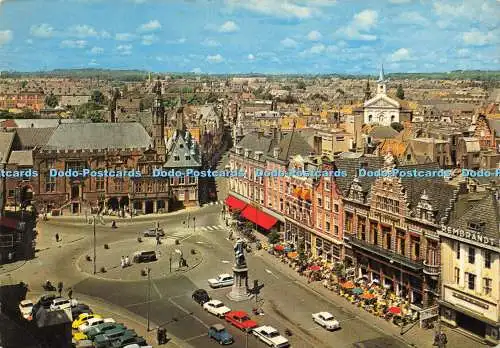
[387, 254]
[432, 270]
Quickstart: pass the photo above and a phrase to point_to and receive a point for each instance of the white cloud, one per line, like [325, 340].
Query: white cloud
[43, 30]
[196, 71]
[93, 62]
[399, 1]
[411, 17]
[289, 43]
[148, 40]
[105, 34]
[83, 31]
[181, 40]
[124, 50]
[139, 1]
[314, 35]
[401, 54]
[215, 58]
[5, 36]
[229, 27]
[150, 26]
[251, 57]
[363, 21]
[73, 43]
[318, 49]
[125, 37]
[29, 42]
[210, 43]
[480, 11]
[282, 8]
[478, 38]
[97, 50]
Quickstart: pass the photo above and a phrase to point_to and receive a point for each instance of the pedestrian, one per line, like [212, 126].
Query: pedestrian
[122, 262]
[127, 261]
[159, 336]
[57, 237]
[60, 288]
[70, 293]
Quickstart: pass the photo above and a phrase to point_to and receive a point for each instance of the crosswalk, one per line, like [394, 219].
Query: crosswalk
[214, 203]
[212, 228]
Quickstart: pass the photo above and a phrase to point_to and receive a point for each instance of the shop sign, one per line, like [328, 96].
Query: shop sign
[470, 235]
[470, 300]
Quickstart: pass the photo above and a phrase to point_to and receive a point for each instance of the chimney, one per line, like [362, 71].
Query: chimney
[276, 135]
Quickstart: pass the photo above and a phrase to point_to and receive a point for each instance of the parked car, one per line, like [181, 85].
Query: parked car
[221, 281]
[326, 320]
[26, 309]
[241, 320]
[94, 322]
[80, 309]
[84, 344]
[83, 318]
[271, 337]
[124, 341]
[219, 333]
[153, 232]
[105, 340]
[144, 256]
[103, 328]
[60, 303]
[46, 300]
[217, 308]
[135, 345]
[200, 296]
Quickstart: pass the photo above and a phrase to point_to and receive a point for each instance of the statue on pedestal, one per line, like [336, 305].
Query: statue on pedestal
[239, 291]
[239, 254]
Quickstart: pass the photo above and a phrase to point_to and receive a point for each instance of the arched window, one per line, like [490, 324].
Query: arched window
[370, 118]
[393, 118]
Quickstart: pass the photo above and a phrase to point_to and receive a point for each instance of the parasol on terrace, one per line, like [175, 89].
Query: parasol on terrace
[279, 247]
[368, 296]
[348, 285]
[292, 254]
[395, 310]
[314, 268]
[357, 291]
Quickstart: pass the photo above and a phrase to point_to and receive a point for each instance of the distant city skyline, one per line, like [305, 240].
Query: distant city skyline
[245, 36]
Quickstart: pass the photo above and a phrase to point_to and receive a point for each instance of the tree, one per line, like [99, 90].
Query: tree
[400, 93]
[274, 237]
[397, 126]
[51, 101]
[301, 85]
[97, 97]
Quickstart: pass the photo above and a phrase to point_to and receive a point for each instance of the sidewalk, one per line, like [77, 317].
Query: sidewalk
[129, 319]
[412, 336]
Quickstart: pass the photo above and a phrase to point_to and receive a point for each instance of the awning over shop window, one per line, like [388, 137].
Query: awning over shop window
[234, 203]
[258, 217]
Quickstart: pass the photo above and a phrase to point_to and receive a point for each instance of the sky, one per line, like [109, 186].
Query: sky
[243, 36]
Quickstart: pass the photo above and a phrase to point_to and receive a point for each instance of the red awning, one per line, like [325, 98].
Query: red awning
[234, 203]
[258, 217]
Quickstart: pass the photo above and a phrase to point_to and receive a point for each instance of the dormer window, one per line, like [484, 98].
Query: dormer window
[187, 157]
[477, 226]
[177, 158]
[181, 146]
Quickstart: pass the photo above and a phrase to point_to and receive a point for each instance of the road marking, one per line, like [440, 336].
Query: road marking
[194, 337]
[156, 289]
[271, 273]
[225, 261]
[188, 312]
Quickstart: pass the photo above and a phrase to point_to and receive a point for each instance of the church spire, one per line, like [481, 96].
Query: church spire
[381, 77]
[381, 87]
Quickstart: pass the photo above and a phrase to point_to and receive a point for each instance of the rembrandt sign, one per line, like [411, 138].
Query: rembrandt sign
[471, 235]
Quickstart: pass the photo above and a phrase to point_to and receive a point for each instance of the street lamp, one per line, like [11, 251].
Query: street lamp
[93, 217]
[149, 294]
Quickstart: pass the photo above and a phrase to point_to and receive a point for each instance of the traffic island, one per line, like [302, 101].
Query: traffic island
[126, 260]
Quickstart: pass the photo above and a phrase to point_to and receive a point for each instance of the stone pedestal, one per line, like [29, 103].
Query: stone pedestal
[239, 292]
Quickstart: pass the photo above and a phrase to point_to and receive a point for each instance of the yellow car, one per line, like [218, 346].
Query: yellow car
[78, 336]
[82, 319]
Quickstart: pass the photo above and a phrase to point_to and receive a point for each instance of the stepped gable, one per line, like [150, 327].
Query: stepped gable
[351, 163]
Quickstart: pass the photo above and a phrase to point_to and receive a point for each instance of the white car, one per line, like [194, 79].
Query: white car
[26, 308]
[271, 337]
[60, 303]
[221, 281]
[326, 320]
[216, 307]
[94, 322]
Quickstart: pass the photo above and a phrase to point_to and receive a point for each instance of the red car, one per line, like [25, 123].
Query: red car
[241, 320]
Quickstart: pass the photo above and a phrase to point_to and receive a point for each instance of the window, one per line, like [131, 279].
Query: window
[181, 196]
[187, 157]
[171, 180]
[487, 259]
[192, 179]
[177, 158]
[336, 208]
[487, 286]
[457, 275]
[327, 226]
[11, 193]
[50, 183]
[348, 222]
[118, 185]
[327, 185]
[320, 202]
[457, 250]
[99, 183]
[472, 255]
[192, 194]
[327, 203]
[471, 281]
[318, 221]
[336, 230]
[388, 241]
[138, 187]
[150, 186]
[182, 180]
